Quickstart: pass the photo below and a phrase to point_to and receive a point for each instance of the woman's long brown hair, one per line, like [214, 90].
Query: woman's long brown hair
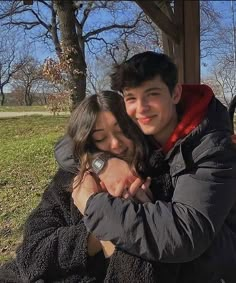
[82, 122]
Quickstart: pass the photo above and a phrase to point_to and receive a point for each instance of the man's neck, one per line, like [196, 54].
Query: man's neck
[162, 137]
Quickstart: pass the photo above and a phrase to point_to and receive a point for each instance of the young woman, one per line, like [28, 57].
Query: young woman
[56, 246]
[100, 124]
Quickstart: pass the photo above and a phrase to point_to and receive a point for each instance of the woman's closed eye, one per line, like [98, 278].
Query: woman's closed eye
[99, 140]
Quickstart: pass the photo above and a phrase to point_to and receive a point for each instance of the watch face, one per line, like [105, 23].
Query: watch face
[98, 163]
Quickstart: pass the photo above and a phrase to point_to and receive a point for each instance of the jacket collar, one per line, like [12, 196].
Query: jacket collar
[193, 105]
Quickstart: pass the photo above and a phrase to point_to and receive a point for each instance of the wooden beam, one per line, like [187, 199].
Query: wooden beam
[28, 2]
[159, 18]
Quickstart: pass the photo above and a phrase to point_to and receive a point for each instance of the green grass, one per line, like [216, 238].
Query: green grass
[27, 165]
[23, 108]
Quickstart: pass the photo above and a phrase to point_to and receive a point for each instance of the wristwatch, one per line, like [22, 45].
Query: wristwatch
[99, 163]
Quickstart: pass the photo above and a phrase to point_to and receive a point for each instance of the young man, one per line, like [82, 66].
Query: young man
[197, 225]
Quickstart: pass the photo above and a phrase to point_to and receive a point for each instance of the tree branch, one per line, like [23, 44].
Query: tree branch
[114, 26]
[25, 24]
[86, 13]
[40, 21]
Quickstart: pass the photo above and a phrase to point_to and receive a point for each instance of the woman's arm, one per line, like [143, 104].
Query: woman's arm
[56, 242]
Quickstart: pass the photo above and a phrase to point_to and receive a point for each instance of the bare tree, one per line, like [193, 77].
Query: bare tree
[119, 50]
[44, 88]
[9, 62]
[74, 27]
[26, 79]
[210, 29]
[222, 52]
[17, 95]
[224, 73]
[217, 88]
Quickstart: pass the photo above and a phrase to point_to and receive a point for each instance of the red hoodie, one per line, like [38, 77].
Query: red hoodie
[194, 103]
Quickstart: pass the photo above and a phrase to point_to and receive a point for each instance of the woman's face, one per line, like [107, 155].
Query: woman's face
[108, 136]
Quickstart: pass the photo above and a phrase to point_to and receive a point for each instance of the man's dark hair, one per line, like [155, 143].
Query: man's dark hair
[143, 67]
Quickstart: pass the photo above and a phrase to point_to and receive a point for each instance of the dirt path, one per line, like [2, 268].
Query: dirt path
[18, 114]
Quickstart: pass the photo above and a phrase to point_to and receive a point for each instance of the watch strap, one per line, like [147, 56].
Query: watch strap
[100, 162]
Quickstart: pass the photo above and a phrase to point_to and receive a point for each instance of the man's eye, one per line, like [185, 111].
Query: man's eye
[128, 99]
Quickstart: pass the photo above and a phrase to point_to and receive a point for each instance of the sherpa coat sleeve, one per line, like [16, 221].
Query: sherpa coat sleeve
[54, 245]
[180, 230]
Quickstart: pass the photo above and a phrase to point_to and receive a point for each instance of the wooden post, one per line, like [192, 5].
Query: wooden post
[181, 34]
[187, 50]
[191, 21]
[179, 47]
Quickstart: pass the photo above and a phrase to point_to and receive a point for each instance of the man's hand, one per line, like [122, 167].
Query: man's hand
[82, 192]
[118, 180]
[140, 191]
[116, 177]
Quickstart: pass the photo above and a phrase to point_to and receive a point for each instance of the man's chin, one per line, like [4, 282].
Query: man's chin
[147, 131]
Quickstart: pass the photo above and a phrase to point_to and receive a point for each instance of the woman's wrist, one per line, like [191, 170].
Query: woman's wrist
[108, 248]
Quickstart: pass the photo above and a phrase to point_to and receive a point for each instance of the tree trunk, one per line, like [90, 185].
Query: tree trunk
[66, 16]
[3, 97]
[53, 30]
[27, 96]
[31, 99]
[232, 107]
[26, 99]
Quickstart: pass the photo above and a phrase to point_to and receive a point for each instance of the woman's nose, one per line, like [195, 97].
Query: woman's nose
[115, 143]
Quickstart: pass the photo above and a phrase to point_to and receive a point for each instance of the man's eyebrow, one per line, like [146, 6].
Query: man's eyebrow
[152, 88]
[127, 93]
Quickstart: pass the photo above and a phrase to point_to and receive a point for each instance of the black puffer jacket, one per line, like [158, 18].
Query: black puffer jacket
[198, 225]
[54, 248]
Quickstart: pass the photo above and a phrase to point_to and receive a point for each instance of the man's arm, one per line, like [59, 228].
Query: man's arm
[177, 231]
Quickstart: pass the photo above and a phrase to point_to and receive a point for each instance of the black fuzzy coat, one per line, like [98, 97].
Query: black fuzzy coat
[54, 248]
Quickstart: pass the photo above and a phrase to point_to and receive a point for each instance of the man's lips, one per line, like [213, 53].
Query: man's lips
[145, 120]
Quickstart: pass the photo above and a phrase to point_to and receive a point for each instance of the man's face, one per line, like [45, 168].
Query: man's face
[153, 108]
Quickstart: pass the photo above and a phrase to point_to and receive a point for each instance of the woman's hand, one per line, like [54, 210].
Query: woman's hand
[233, 137]
[108, 248]
[94, 245]
[83, 190]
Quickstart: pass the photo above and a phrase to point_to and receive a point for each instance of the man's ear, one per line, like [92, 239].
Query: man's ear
[176, 95]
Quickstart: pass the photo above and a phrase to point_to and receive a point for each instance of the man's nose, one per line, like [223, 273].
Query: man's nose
[142, 105]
